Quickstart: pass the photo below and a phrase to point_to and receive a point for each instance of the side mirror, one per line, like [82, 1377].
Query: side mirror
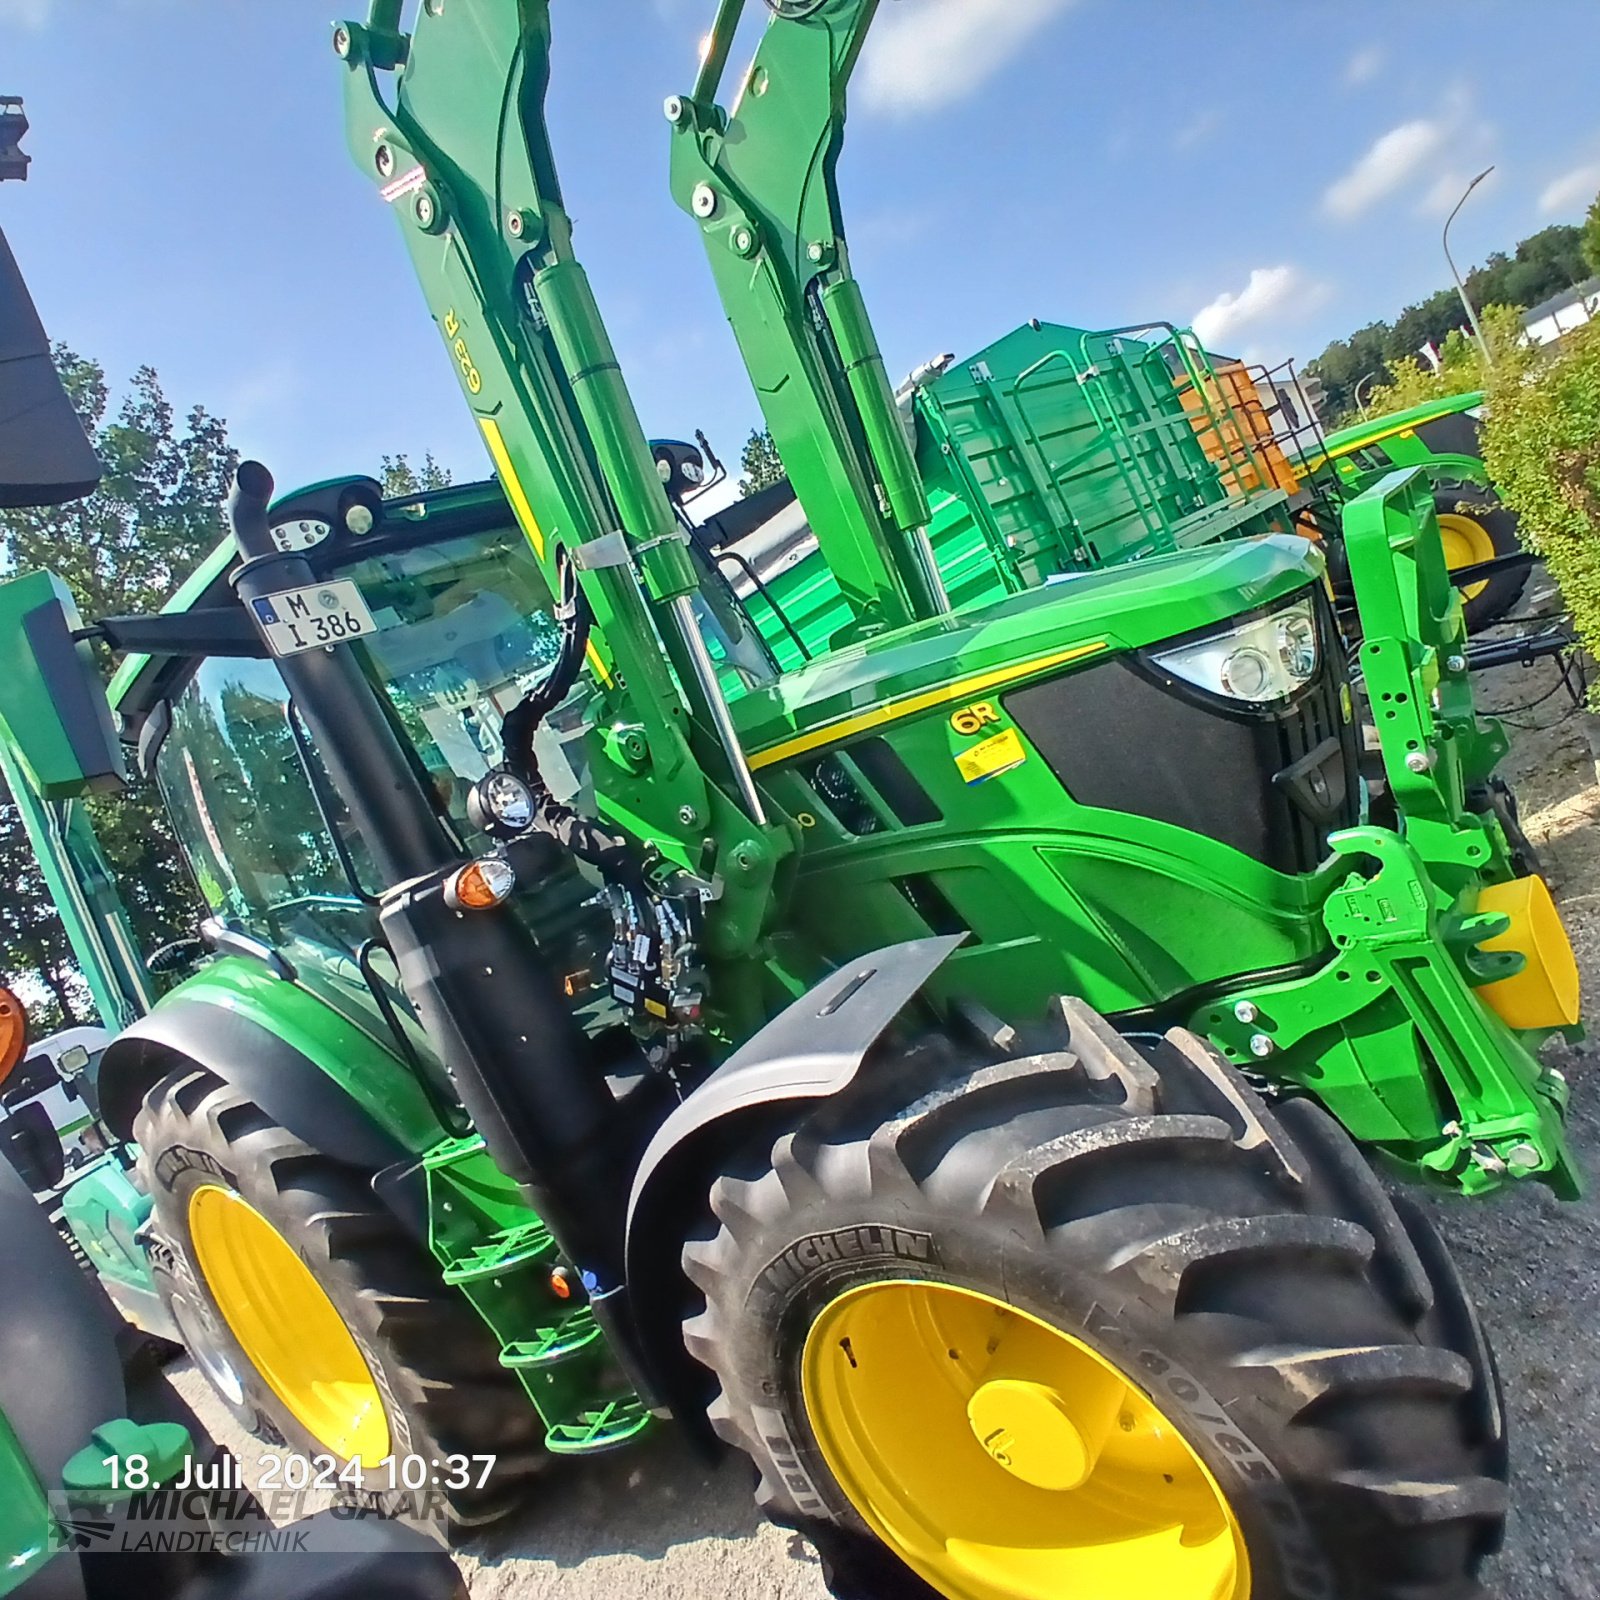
[54, 713]
[45, 456]
[72, 1061]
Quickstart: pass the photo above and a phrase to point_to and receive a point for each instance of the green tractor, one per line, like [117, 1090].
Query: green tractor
[96, 1449]
[1442, 438]
[109, 1486]
[943, 1071]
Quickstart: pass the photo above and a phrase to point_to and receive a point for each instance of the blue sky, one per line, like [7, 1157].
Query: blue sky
[1278, 169]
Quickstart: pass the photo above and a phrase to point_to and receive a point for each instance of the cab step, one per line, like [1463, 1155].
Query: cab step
[599, 1427]
[527, 1245]
[574, 1332]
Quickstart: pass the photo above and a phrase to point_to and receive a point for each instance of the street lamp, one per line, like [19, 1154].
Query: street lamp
[1461, 288]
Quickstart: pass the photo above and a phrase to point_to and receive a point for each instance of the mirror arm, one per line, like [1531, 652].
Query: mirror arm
[209, 631]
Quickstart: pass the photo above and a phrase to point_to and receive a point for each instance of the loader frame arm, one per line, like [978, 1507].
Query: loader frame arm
[761, 181]
[448, 122]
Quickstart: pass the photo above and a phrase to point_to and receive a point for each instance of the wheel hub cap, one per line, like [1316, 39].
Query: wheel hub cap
[1004, 1459]
[1027, 1428]
[287, 1326]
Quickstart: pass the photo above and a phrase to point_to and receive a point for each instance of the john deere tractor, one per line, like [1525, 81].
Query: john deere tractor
[98, 1454]
[944, 1071]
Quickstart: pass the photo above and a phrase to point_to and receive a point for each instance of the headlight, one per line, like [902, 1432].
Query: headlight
[501, 804]
[1265, 659]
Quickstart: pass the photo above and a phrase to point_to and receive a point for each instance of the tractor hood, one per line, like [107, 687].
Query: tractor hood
[973, 652]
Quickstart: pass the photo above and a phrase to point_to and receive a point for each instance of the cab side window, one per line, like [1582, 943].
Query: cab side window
[245, 812]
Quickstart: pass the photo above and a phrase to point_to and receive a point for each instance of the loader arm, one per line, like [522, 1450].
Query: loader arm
[760, 179]
[448, 121]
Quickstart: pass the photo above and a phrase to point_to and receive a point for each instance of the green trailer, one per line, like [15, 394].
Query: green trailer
[1058, 450]
[940, 1070]
[1052, 452]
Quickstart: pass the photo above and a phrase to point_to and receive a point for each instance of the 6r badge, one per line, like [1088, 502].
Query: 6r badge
[970, 719]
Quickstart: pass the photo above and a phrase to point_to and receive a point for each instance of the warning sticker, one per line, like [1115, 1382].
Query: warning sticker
[992, 757]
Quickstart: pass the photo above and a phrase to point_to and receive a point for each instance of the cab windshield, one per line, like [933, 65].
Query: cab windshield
[465, 630]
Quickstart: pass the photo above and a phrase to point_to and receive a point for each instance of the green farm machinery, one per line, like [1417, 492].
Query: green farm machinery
[937, 1064]
[110, 1487]
[1058, 450]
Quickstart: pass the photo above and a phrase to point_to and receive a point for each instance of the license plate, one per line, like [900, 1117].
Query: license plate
[307, 619]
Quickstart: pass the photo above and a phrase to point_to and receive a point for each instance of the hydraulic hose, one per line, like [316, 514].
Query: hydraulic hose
[611, 854]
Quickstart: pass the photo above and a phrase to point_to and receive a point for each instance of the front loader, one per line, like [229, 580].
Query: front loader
[939, 1071]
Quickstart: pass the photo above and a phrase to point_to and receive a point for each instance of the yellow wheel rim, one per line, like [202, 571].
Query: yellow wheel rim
[1466, 542]
[1003, 1459]
[288, 1327]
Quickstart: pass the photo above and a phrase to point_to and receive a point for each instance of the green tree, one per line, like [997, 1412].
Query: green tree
[1543, 264]
[1461, 370]
[760, 463]
[1591, 236]
[1347, 364]
[400, 478]
[123, 548]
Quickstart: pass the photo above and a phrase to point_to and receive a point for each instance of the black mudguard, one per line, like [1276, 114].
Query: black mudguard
[290, 1087]
[811, 1050]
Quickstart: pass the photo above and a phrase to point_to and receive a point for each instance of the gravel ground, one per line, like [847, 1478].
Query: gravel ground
[1534, 1261]
[656, 1522]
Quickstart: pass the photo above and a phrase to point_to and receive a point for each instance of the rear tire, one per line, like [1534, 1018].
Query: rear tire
[1477, 527]
[206, 1338]
[433, 1362]
[1243, 1270]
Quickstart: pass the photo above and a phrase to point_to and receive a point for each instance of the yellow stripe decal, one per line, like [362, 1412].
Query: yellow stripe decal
[597, 661]
[1307, 468]
[845, 727]
[518, 497]
[513, 485]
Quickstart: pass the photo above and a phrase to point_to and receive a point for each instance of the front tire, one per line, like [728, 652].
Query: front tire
[1096, 1322]
[348, 1344]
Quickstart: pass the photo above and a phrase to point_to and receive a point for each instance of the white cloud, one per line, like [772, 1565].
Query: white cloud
[1272, 295]
[1389, 163]
[929, 53]
[1363, 66]
[30, 14]
[1572, 191]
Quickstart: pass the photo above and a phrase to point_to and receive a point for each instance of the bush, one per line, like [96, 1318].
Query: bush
[1462, 368]
[1541, 444]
